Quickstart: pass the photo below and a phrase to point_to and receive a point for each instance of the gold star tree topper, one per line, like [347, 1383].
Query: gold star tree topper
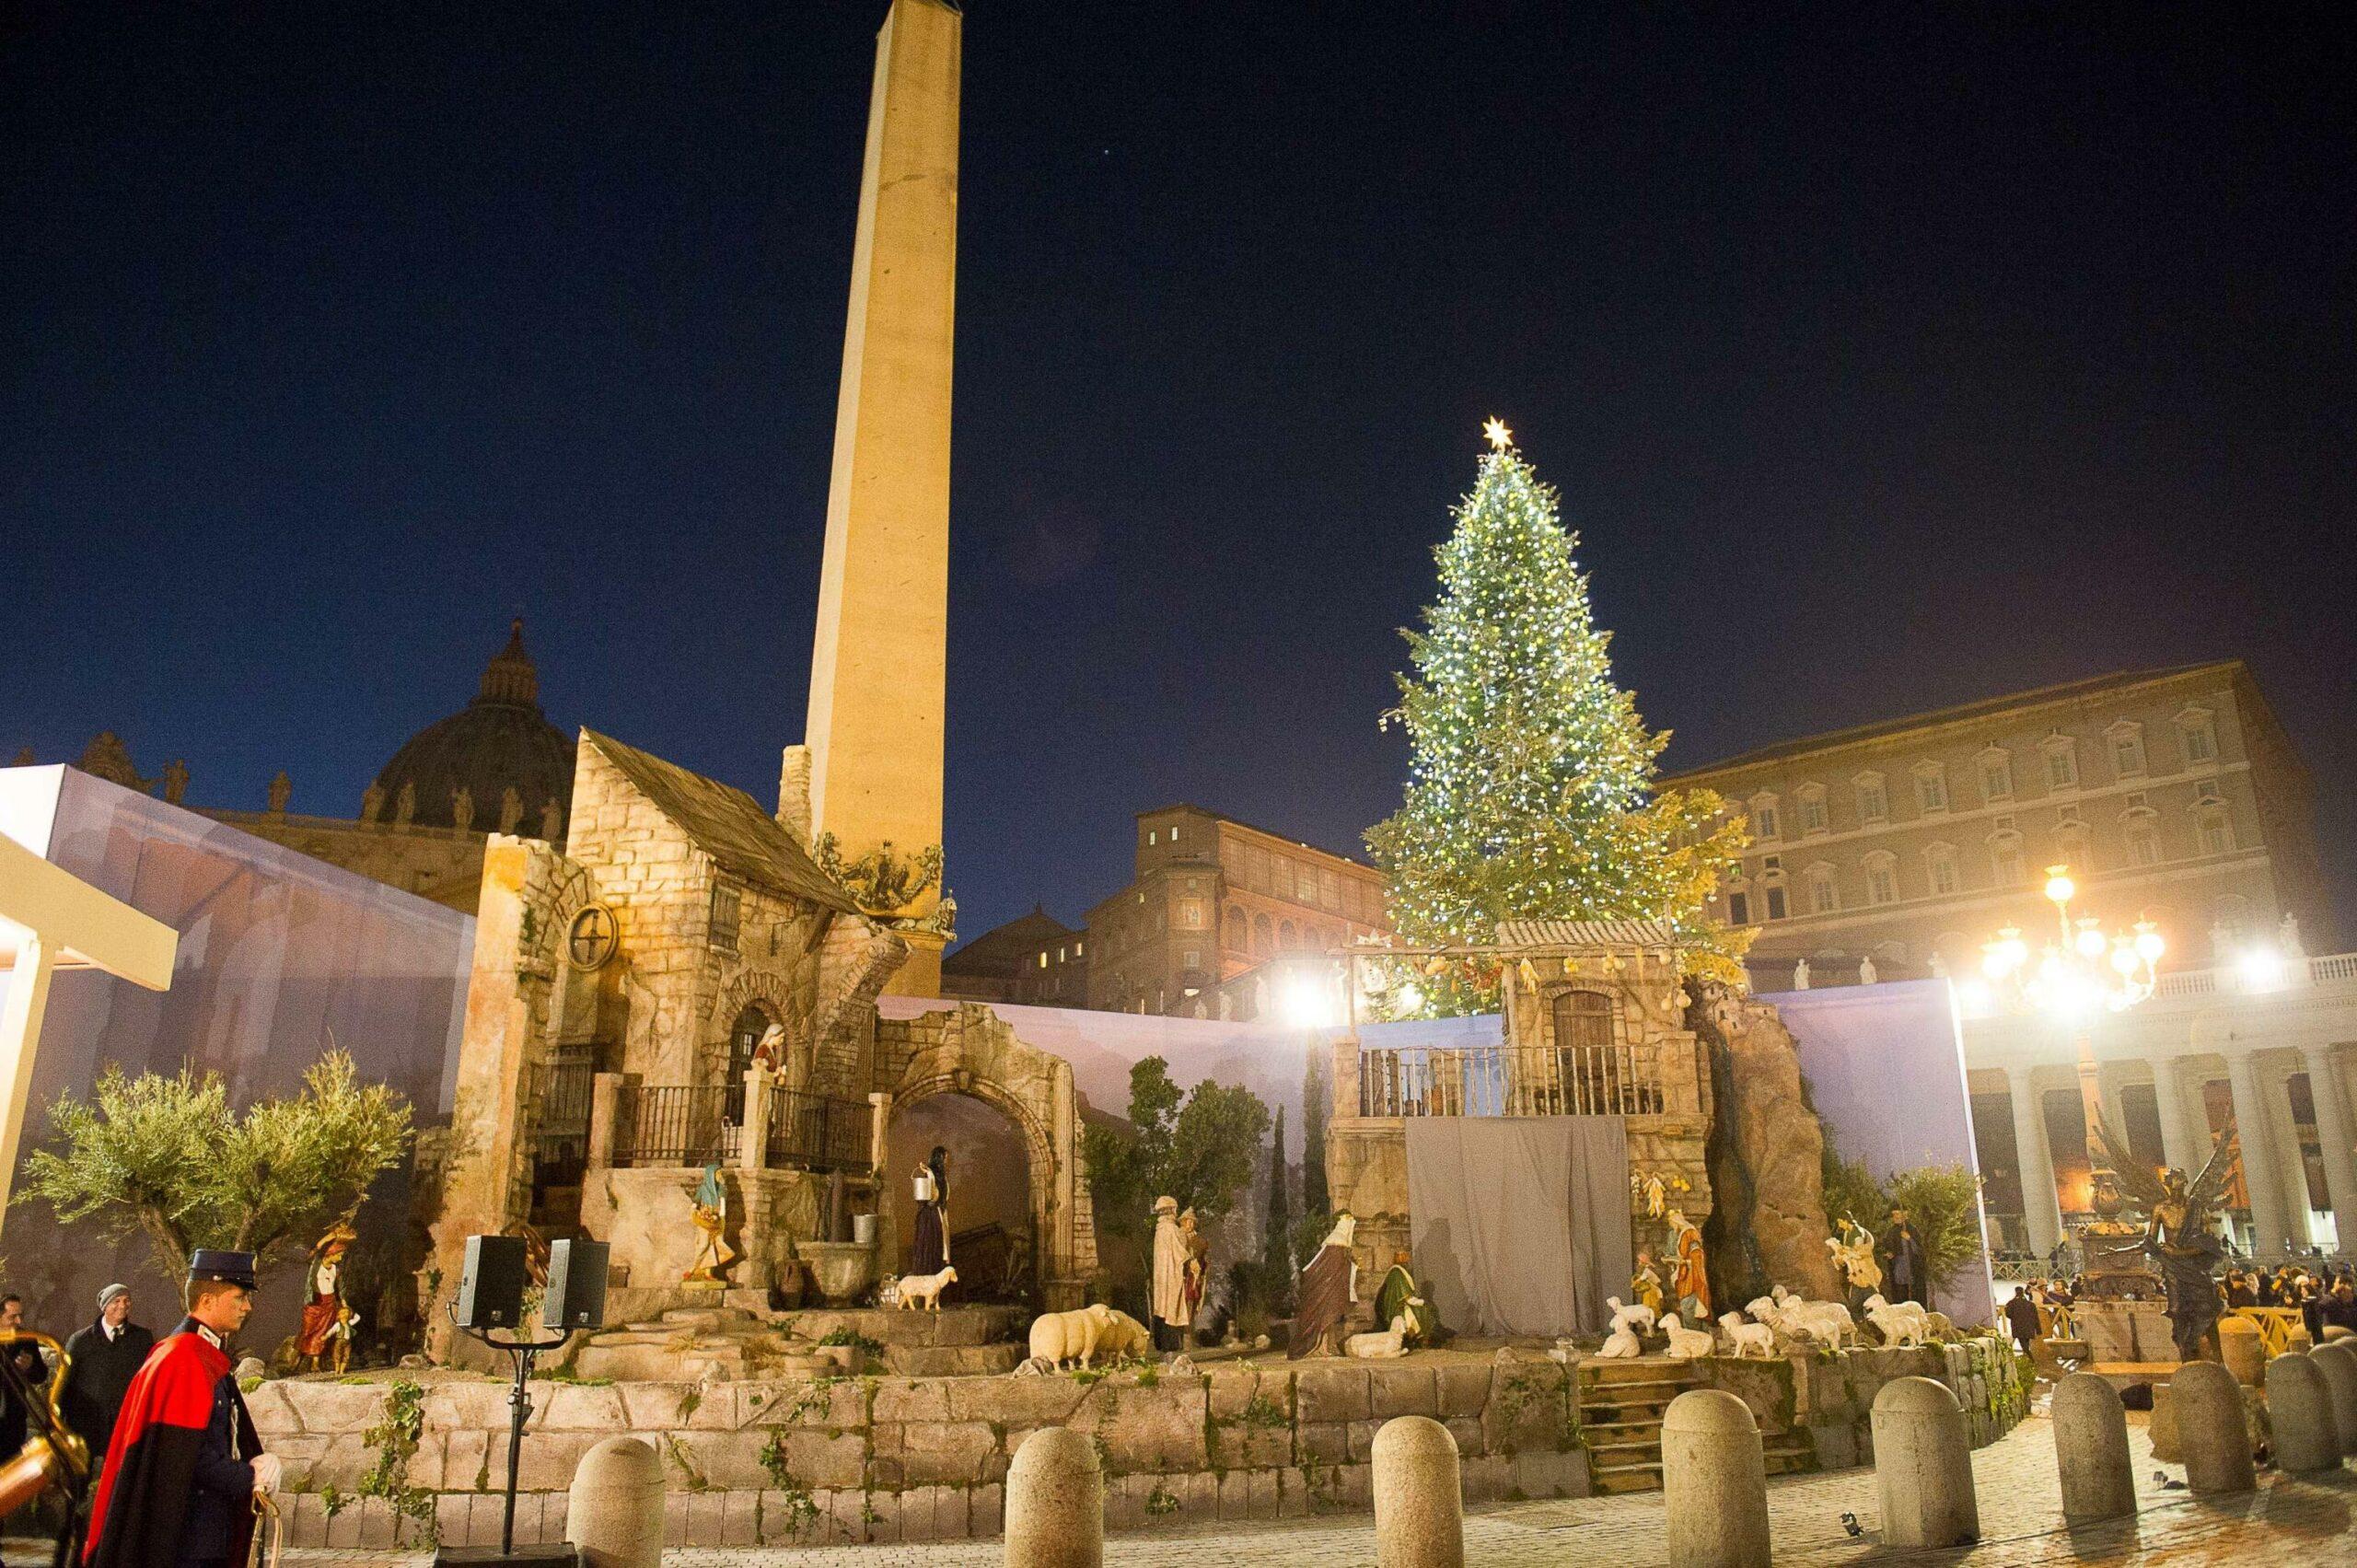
[1500, 436]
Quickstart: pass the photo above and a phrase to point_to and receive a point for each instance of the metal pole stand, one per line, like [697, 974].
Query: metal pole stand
[523, 1353]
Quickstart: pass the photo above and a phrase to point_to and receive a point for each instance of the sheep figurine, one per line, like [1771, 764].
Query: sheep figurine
[925, 1290]
[1826, 1322]
[1745, 1338]
[1900, 1322]
[1640, 1316]
[1627, 1321]
[1685, 1343]
[1384, 1346]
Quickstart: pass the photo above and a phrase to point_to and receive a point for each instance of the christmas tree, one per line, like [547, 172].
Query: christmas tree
[1529, 791]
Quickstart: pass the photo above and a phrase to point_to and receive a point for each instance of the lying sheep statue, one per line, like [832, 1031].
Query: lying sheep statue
[1084, 1333]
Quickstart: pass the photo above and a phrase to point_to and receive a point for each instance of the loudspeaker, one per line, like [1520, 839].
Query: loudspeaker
[491, 1291]
[575, 1297]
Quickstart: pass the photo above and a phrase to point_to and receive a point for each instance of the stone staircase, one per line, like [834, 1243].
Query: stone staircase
[1621, 1412]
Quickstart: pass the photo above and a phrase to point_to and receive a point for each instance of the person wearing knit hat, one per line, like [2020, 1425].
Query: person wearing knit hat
[102, 1357]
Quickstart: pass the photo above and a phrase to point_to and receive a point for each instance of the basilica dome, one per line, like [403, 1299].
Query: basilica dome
[499, 741]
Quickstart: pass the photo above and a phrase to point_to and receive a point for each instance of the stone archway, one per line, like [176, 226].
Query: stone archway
[971, 1050]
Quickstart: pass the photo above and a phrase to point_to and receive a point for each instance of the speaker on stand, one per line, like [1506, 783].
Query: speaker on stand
[490, 1297]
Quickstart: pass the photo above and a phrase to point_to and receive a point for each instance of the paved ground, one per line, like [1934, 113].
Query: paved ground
[2285, 1524]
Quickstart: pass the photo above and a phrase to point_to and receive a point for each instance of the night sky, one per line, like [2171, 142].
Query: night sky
[1882, 365]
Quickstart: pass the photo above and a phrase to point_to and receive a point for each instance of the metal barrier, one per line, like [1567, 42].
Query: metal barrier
[1500, 1080]
[674, 1124]
[2275, 1325]
[816, 1132]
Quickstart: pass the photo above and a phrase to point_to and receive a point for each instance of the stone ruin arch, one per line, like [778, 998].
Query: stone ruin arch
[971, 1050]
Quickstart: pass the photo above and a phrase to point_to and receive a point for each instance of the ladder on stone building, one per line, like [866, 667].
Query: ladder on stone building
[1620, 1410]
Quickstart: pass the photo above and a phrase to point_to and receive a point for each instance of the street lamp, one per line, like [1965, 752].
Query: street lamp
[2082, 971]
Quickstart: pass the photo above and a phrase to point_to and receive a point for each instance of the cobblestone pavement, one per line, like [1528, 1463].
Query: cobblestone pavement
[2286, 1523]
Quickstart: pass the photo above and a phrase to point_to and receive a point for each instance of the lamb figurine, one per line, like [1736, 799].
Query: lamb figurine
[1640, 1316]
[1685, 1343]
[925, 1289]
[1745, 1338]
[1384, 1346]
[1900, 1322]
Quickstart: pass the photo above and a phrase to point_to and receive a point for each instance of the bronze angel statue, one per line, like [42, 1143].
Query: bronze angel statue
[2178, 1236]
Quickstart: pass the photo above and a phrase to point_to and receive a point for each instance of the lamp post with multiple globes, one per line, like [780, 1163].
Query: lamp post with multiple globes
[2082, 971]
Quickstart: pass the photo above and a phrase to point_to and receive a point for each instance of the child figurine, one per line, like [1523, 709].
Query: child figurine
[1645, 1284]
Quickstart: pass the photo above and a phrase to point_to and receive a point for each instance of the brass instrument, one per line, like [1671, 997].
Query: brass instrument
[53, 1454]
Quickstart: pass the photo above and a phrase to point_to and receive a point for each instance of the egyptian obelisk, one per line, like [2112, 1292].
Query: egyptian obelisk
[879, 665]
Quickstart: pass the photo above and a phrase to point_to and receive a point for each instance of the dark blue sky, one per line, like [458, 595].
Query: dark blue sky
[1883, 360]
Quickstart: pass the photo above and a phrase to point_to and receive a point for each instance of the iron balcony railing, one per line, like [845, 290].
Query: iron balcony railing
[1501, 1080]
[816, 1132]
[673, 1124]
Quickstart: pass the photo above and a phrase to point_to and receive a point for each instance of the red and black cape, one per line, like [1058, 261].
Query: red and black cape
[144, 1492]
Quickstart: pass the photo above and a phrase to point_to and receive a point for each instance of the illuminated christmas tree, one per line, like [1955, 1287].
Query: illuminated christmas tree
[1529, 791]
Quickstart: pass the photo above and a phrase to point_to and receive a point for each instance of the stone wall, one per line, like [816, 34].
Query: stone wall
[1767, 1151]
[890, 1458]
[1831, 1397]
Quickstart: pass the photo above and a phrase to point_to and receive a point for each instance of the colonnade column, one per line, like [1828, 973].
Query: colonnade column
[2041, 1206]
[2258, 1135]
[2294, 1167]
[2332, 1131]
[2176, 1144]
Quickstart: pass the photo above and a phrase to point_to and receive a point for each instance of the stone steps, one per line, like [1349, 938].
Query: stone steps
[1621, 1415]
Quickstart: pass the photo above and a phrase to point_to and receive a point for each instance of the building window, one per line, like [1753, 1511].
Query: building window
[1262, 942]
[1238, 930]
[1996, 775]
[1763, 817]
[1874, 801]
[1151, 839]
[1739, 907]
[1174, 832]
[1775, 897]
[727, 909]
[1821, 896]
[2200, 737]
[1043, 957]
[1191, 913]
[2005, 858]
[1078, 950]
[1192, 958]
[2142, 831]
[2214, 826]
[2061, 761]
[1813, 810]
[1930, 788]
[1940, 861]
[1882, 879]
[1287, 939]
[2126, 749]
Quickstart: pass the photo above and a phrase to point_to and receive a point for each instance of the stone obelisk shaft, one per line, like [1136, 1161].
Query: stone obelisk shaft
[879, 665]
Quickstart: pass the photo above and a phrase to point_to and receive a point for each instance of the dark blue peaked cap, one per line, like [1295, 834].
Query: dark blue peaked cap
[232, 1268]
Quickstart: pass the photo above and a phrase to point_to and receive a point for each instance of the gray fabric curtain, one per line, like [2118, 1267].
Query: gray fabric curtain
[1519, 1226]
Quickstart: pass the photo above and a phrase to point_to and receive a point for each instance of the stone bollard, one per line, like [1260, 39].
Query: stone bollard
[1419, 1499]
[615, 1513]
[1714, 1482]
[2210, 1429]
[2091, 1448]
[1923, 1466]
[2338, 1362]
[2239, 1348]
[1055, 1502]
[2162, 1427]
[2299, 1412]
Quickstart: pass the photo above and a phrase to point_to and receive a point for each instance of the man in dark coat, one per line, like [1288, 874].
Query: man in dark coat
[1900, 1247]
[103, 1358]
[180, 1481]
[2021, 1316]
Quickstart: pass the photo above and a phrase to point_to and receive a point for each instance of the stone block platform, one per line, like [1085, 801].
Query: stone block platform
[408, 1459]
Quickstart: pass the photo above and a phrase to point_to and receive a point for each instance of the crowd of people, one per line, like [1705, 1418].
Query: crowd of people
[2324, 1296]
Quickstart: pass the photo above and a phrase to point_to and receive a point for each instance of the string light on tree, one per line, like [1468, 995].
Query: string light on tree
[1530, 789]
